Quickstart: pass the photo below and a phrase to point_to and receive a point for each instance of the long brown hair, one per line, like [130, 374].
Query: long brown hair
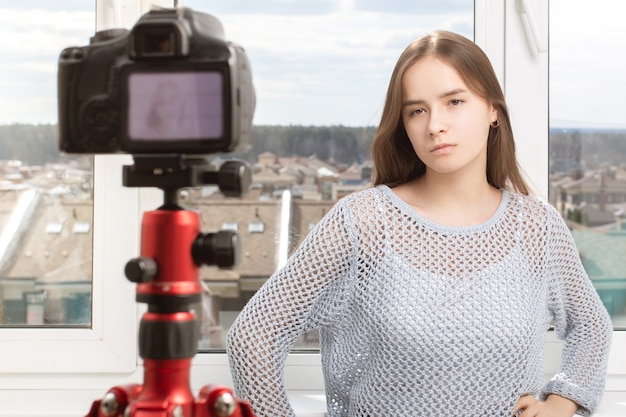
[395, 162]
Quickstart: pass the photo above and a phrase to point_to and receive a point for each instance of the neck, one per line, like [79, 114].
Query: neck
[453, 200]
[464, 188]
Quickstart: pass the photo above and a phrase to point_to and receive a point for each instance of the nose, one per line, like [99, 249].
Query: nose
[436, 122]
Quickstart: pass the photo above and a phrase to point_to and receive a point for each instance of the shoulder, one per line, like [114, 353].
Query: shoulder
[532, 204]
[363, 208]
[534, 211]
[363, 199]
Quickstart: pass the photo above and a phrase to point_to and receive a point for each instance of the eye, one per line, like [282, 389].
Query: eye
[416, 112]
[455, 102]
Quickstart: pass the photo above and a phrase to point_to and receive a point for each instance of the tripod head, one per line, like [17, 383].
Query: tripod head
[172, 172]
[172, 248]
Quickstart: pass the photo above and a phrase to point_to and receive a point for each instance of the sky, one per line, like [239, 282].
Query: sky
[588, 62]
[324, 62]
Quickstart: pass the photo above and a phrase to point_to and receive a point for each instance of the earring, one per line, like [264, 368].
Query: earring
[496, 123]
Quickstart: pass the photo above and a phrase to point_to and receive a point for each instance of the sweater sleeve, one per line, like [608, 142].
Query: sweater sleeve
[287, 305]
[580, 319]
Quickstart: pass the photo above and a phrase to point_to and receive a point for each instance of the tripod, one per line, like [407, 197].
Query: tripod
[167, 278]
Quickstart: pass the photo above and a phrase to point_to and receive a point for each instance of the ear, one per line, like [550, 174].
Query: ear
[494, 114]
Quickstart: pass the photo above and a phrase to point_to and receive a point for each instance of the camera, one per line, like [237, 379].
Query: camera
[170, 84]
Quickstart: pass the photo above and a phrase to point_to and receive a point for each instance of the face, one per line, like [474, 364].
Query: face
[447, 124]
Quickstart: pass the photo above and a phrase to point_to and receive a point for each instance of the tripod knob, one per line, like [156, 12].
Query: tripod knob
[141, 269]
[234, 178]
[221, 249]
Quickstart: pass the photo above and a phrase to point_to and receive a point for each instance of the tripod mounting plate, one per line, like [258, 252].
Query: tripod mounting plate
[171, 172]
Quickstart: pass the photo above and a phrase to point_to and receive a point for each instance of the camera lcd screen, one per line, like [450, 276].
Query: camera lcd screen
[175, 106]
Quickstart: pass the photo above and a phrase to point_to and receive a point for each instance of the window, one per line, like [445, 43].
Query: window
[81, 228]
[588, 140]
[230, 226]
[44, 195]
[530, 87]
[256, 227]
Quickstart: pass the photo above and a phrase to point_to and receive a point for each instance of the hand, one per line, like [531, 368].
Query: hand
[553, 406]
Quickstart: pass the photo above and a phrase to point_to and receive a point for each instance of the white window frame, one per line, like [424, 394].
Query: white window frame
[59, 372]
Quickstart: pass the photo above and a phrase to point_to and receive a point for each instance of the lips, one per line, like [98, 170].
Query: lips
[441, 147]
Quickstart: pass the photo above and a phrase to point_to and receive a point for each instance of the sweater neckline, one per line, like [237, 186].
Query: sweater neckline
[411, 212]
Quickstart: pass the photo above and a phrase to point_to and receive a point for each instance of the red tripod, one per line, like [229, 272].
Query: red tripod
[166, 273]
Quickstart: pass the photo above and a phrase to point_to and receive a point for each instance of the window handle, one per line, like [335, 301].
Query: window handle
[524, 9]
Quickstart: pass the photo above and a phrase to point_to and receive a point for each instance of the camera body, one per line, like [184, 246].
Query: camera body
[172, 84]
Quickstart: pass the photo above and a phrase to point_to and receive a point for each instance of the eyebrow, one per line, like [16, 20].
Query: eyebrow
[444, 95]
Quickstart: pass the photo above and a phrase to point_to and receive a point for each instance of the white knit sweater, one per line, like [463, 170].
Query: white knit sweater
[420, 319]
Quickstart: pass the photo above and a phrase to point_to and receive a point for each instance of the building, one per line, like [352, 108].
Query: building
[590, 198]
[46, 260]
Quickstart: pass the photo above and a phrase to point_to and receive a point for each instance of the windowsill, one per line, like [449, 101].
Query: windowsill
[308, 403]
[68, 403]
[613, 404]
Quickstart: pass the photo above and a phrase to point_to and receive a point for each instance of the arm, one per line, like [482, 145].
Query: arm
[580, 319]
[289, 303]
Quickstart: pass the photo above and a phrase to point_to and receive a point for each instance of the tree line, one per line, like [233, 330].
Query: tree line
[38, 144]
[586, 149]
[31, 144]
[339, 144]
[569, 149]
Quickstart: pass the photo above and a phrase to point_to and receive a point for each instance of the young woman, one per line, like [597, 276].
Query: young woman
[433, 290]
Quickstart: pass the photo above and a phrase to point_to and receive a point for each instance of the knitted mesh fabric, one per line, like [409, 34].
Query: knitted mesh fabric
[420, 319]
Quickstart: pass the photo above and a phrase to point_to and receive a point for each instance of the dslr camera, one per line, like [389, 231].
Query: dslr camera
[172, 84]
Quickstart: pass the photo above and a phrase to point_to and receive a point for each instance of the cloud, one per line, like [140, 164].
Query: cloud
[323, 61]
[31, 45]
[425, 7]
[324, 7]
[314, 62]
[74, 5]
[332, 68]
[587, 63]
[265, 7]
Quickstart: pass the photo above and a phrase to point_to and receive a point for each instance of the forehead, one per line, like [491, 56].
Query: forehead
[430, 75]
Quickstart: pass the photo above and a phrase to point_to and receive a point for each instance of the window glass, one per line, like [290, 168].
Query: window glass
[320, 70]
[45, 198]
[588, 138]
